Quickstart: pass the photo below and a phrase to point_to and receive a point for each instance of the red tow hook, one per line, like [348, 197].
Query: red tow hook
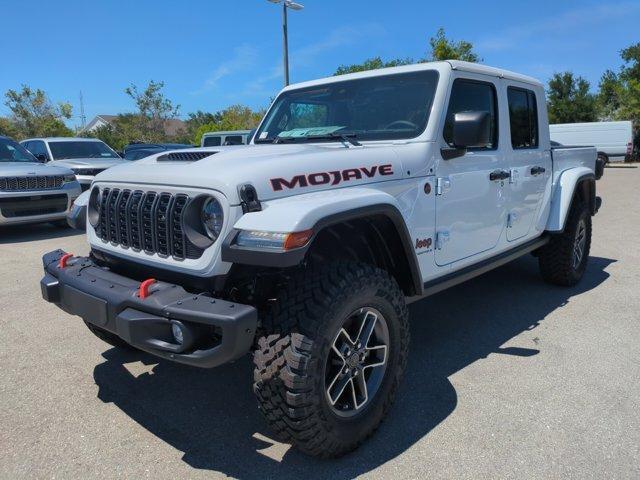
[64, 259]
[143, 291]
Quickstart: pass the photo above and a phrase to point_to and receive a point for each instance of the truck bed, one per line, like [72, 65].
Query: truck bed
[566, 157]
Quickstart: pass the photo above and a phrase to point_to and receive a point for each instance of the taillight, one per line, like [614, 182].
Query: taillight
[629, 148]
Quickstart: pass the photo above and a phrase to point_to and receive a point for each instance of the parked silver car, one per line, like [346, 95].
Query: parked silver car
[30, 191]
[87, 157]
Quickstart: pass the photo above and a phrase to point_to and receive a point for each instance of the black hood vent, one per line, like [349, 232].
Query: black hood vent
[184, 156]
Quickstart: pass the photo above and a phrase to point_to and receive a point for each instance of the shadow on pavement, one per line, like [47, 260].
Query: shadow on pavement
[33, 232]
[211, 415]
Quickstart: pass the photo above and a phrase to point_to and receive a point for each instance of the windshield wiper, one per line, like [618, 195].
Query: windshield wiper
[345, 137]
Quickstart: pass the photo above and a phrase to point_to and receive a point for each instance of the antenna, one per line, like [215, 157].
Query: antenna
[83, 118]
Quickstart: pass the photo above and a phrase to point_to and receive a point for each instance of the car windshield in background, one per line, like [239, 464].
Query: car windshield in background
[11, 151]
[387, 107]
[64, 150]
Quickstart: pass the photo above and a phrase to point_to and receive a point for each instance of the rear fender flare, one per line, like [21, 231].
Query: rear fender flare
[564, 193]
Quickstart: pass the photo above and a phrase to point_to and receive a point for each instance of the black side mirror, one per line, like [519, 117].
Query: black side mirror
[470, 129]
[42, 157]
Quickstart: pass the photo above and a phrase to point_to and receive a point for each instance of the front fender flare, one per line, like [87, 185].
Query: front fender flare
[316, 211]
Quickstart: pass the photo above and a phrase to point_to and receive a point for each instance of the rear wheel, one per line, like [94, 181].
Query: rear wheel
[564, 259]
[329, 370]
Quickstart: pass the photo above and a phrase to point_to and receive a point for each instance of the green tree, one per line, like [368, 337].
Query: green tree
[444, 49]
[372, 64]
[630, 85]
[609, 96]
[34, 115]
[8, 128]
[235, 117]
[195, 121]
[154, 109]
[440, 48]
[120, 132]
[569, 99]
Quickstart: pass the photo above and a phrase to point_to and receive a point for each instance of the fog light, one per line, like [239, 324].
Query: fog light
[176, 329]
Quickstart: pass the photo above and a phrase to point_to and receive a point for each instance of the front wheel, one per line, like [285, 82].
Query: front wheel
[327, 374]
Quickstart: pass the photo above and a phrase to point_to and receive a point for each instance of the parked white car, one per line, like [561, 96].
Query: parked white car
[360, 193]
[31, 192]
[231, 137]
[613, 140]
[85, 156]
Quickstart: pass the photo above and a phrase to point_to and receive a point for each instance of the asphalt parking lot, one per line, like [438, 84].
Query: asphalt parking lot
[507, 378]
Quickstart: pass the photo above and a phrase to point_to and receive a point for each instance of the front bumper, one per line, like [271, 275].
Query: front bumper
[215, 331]
[37, 206]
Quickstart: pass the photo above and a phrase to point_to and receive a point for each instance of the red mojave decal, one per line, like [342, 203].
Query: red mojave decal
[331, 178]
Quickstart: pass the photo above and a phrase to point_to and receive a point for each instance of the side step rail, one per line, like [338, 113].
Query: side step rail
[439, 284]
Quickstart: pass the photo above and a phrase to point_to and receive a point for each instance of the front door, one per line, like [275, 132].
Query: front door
[470, 206]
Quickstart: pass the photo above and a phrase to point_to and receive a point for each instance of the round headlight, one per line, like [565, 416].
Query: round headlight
[212, 218]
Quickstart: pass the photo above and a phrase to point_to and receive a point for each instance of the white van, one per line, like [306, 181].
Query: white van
[231, 137]
[614, 140]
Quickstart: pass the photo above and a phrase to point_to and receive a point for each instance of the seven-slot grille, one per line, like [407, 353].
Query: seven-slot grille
[148, 221]
[41, 182]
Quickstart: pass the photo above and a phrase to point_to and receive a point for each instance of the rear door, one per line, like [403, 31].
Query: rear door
[529, 163]
[470, 207]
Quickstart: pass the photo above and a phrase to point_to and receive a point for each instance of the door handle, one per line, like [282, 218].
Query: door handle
[499, 175]
[538, 170]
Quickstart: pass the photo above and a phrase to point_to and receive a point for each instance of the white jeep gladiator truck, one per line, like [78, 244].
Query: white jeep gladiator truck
[358, 194]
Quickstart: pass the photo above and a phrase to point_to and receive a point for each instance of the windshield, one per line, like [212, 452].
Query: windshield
[62, 150]
[138, 153]
[388, 107]
[11, 151]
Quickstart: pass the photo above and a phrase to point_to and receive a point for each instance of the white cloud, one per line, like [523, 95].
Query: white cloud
[306, 55]
[244, 58]
[592, 16]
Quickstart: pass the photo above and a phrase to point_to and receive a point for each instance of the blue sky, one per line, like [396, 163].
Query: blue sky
[211, 54]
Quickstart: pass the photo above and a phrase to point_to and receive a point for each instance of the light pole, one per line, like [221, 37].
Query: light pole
[293, 6]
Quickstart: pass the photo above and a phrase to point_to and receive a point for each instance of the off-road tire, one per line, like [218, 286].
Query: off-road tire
[556, 259]
[289, 374]
[108, 337]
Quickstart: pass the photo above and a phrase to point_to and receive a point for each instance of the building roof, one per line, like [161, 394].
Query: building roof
[172, 127]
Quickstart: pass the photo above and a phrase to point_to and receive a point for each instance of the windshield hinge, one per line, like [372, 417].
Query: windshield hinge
[249, 198]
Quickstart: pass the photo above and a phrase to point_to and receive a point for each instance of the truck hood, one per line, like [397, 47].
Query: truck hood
[89, 162]
[18, 169]
[274, 170]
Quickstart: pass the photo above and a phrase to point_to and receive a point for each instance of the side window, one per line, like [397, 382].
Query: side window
[523, 118]
[37, 147]
[472, 96]
[233, 140]
[27, 145]
[212, 142]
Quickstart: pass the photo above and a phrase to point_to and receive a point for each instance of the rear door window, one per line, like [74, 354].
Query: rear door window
[523, 118]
